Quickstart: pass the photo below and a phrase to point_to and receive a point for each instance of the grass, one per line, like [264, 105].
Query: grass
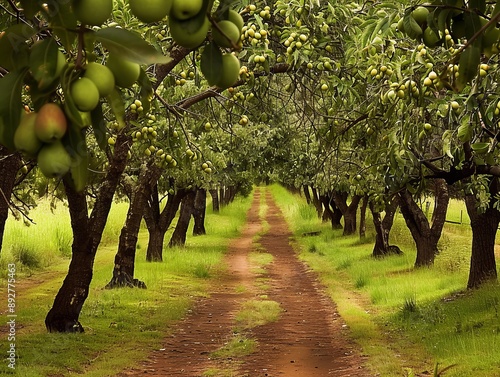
[122, 325]
[255, 313]
[405, 319]
[239, 345]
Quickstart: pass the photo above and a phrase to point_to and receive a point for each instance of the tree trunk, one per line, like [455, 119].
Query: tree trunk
[362, 218]
[383, 228]
[336, 214]
[307, 194]
[65, 312]
[10, 163]
[214, 193]
[484, 229]
[158, 221]
[327, 213]
[348, 211]
[87, 234]
[187, 209]
[222, 196]
[317, 202]
[199, 210]
[230, 194]
[426, 236]
[123, 271]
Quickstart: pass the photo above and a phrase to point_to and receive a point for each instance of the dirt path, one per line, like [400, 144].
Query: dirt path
[308, 340]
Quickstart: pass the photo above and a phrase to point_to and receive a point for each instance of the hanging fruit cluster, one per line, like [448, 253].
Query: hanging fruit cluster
[66, 83]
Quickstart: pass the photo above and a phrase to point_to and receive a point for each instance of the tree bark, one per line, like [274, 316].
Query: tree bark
[307, 194]
[383, 229]
[336, 214]
[425, 235]
[327, 212]
[348, 211]
[87, 233]
[187, 209]
[214, 193]
[199, 211]
[222, 196]
[158, 221]
[362, 218]
[10, 163]
[484, 229]
[124, 268]
[317, 202]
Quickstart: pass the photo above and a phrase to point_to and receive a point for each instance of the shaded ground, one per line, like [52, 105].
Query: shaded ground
[308, 340]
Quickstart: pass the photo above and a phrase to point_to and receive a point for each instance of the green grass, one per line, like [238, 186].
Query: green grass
[402, 317]
[255, 313]
[122, 325]
[237, 346]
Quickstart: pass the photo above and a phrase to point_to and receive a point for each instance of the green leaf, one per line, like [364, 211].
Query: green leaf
[130, 46]
[30, 7]
[443, 18]
[75, 143]
[368, 27]
[465, 132]
[99, 127]
[468, 65]
[43, 63]
[480, 148]
[13, 46]
[211, 63]
[412, 28]
[117, 104]
[63, 22]
[10, 105]
[472, 24]
[146, 93]
[79, 173]
[447, 143]
[70, 109]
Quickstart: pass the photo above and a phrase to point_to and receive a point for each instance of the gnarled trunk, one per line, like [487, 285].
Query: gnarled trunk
[214, 193]
[307, 194]
[426, 236]
[199, 210]
[348, 211]
[362, 218]
[10, 163]
[187, 208]
[336, 214]
[158, 221]
[383, 229]
[484, 229]
[124, 268]
[317, 202]
[87, 234]
[327, 210]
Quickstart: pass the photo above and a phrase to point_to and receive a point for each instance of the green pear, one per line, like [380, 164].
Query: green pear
[185, 9]
[53, 160]
[93, 12]
[25, 139]
[226, 34]
[50, 123]
[150, 10]
[85, 94]
[181, 35]
[236, 19]
[126, 73]
[102, 77]
[230, 71]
